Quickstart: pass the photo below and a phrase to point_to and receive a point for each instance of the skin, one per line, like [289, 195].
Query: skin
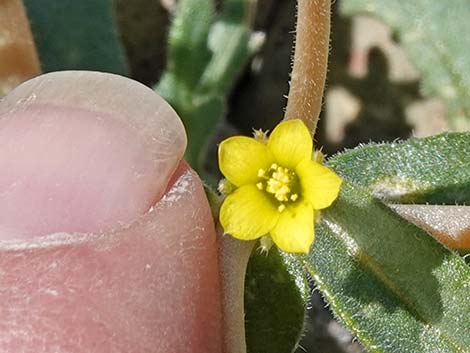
[107, 243]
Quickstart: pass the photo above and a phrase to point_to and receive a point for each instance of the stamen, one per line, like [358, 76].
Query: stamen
[281, 207]
[278, 183]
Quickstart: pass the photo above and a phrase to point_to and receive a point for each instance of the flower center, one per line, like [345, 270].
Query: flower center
[279, 183]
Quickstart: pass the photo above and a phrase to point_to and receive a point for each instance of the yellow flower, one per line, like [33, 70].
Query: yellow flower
[277, 187]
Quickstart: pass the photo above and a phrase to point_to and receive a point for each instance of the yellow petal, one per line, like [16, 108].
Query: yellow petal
[294, 229]
[248, 214]
[290, 142]
[319, 184]
[241, 157]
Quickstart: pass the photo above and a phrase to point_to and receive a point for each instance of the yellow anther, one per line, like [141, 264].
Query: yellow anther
[259, 186]
[281, 208]
[273, 185]
[279, 183]
[294, 197]
[261, 172]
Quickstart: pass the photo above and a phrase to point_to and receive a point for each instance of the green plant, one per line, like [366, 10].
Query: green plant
[199, 73]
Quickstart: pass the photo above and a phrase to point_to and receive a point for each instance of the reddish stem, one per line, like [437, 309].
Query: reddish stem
[310, 62]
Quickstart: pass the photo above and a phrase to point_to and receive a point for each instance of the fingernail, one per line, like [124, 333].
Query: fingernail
[83, 152]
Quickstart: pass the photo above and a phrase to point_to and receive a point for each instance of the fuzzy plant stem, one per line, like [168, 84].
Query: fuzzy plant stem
[18, 58]
[310, 62]
[233, 259]
[304, 102]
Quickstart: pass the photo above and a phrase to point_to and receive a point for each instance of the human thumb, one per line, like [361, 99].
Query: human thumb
[106, 240]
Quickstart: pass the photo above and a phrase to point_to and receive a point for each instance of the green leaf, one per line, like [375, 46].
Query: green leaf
[434, 35]
[235, 11]
[391, 283]
[276, 295]
[79, 35]
[188, 52]
[232, 44]
[205, 56]
[433, 170]
[225, 65]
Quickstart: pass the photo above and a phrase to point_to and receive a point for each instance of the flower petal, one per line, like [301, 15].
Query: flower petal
[241, 157]
[290, 142]
[319, 184]
[294, 230]
[247, 213]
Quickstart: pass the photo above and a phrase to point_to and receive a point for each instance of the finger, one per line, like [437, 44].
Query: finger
[83, 152]
[90, 154]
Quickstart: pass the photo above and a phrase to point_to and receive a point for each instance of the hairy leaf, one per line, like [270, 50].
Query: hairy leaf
[433, 170]
[391, 283]
[276, 293]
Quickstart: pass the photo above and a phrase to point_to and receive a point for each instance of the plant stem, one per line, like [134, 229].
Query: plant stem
[18, 58]
[233, 261]
[310, 62]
